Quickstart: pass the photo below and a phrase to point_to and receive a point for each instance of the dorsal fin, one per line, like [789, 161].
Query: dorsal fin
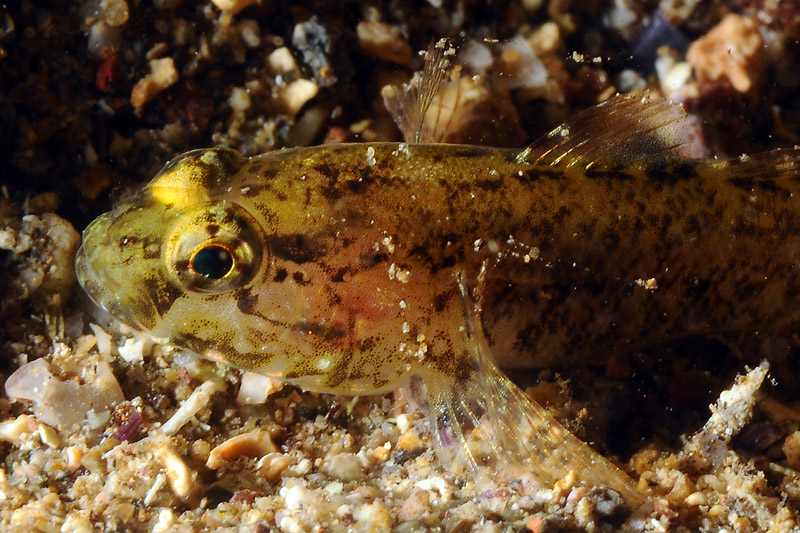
[410, 103]
[763, 168]
[637, 131]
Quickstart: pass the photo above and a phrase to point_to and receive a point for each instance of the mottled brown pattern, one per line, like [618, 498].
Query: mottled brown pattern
[367, 250]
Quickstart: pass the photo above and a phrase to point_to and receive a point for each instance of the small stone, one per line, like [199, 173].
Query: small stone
[281, 61]
[114, 12]
[273, 465]
[49, 436]
[373, 517]
[182, 479]
[546, 39]
[233, 6]
[410, 441]
[791, 449]
[12, 430]
[295, 95]
[163, 75]
[43, 202]
[239, 99]
[729, 51]
[345, 466]
[383, 41]
[696, 498]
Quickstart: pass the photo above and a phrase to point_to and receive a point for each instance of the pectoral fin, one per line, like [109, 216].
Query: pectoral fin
[485, 420]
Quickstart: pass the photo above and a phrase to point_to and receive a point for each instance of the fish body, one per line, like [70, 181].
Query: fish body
[361, 268]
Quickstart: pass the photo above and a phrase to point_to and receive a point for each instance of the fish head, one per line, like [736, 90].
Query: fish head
[229, 258]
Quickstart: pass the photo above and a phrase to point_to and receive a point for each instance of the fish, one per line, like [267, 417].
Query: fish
[362, 268]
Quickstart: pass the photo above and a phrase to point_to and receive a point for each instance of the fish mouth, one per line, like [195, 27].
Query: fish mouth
[94, 284]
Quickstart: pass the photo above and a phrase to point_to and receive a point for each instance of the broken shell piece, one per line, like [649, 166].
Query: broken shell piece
[191, 406]
[256, 388]
[64, 403]
[256, 443]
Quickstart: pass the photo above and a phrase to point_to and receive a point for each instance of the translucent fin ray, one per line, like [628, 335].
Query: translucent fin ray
[624, 131]
[758, 170]
[486, 420]
[409, 105]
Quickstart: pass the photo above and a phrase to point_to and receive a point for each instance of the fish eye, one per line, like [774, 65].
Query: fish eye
[214, 248]
[212, 261]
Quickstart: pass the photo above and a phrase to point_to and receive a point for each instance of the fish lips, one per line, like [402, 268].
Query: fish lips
[96, 286]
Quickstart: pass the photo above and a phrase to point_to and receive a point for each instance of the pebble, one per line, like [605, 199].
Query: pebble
[163, 75]
[729, 51]
[233, 6]
[791, 449]
[373, 517]
[345, 467]
[294, 95]
[410, 441]
[281, 61]
[182, 479]
[273, 465]
[383, 41]
[114, 12]
[12, 430]
[696, 498]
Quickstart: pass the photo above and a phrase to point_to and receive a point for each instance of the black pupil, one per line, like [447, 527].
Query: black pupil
[212, 262]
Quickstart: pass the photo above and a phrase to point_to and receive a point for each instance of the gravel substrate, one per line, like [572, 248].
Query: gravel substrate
[103, 430]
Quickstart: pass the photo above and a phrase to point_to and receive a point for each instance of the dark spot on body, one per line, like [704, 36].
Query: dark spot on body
[128, 240]
[367, 344]
[697, 287]
[369, 260]
[628, 290]
[151, 248]
[338, 276]
[441, 299]
[162, 293]
[489, 185]
[331, 173]
[297, 248]
[280, 275]
[468, 151]
[742, 183]
[251, 191]
[246, 301]
[299, 278]
[526, 176]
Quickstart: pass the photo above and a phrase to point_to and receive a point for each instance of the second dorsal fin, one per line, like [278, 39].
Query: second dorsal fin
[637, 131]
